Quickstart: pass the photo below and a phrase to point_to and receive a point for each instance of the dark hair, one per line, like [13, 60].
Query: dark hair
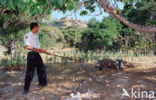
[32, 25]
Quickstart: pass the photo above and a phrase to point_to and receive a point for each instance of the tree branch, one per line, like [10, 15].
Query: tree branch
[141, 28]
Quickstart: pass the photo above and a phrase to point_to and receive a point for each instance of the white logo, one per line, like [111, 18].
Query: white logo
[125, 93]
[138, 94]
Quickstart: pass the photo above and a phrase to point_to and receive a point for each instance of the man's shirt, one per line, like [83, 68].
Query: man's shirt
[32, 40]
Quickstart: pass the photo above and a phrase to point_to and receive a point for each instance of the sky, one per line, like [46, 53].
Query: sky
[58, 14]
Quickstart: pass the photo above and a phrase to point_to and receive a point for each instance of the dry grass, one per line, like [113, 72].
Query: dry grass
[64, 79]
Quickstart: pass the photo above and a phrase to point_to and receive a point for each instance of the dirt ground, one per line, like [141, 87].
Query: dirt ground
[63, 80]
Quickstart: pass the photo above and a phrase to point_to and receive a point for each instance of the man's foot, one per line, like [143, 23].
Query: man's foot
[43, 85]
[25, 92]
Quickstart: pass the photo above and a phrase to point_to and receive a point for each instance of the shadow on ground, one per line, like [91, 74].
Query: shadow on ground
[64, 79]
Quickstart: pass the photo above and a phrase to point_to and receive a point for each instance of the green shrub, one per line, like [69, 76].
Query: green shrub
[100, 35]
[16, 62]
[72, 35]
[49, 35]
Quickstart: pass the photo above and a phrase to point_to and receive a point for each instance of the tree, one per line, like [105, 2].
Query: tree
[15, 15]
[42, 7]
[100, 35]
[142, 13]
[72, 35]
[147, 29]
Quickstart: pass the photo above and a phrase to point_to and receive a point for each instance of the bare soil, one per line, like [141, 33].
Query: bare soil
[70, 78]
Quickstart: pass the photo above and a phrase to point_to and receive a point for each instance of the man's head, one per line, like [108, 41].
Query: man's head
[34, 27]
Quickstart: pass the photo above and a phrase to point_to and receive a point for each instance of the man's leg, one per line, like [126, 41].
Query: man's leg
[41, 71]
[30, 71]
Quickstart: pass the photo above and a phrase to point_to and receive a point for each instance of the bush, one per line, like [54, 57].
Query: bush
[72, 35]
[16, 62]
[100, 35]
[49, 35]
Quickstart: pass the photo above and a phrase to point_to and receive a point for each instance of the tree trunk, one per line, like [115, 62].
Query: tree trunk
[146, 29]
[126, 41]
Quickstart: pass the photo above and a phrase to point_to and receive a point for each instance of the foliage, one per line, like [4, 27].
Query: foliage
[101, 34]
[37, 6]
[16, 62]
[90, 7]
[15, 15]
[111, 35]
[72, 35]
[93, 56]
[140, 11]
[49, 35]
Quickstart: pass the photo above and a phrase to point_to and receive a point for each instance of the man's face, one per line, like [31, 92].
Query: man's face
[35, 29]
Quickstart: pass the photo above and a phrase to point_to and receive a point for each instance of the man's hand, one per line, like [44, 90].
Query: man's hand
[38, 50]
[44, 51]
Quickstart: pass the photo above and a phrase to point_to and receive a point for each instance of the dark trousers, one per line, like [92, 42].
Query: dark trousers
[34, 60]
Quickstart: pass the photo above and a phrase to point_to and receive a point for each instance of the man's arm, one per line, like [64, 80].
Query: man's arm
[37, 50]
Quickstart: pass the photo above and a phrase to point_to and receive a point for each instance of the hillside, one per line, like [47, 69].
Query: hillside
[66, 22]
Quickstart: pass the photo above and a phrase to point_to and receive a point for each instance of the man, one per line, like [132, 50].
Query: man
[34, 60]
